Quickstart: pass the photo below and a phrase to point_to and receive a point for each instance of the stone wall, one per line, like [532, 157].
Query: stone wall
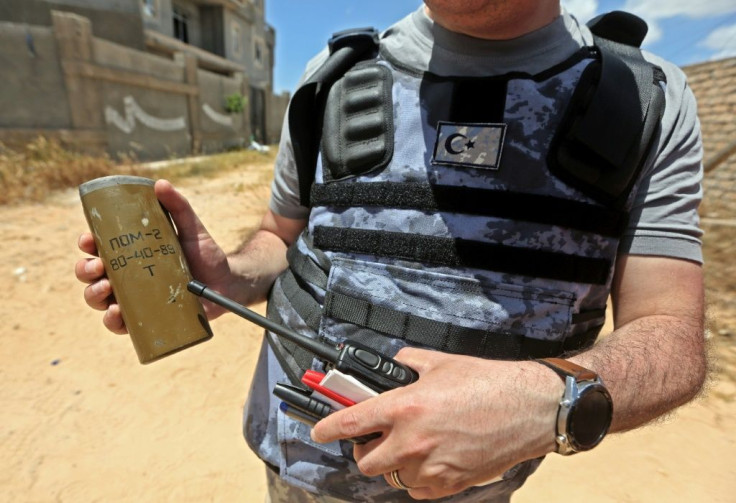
[714, 86]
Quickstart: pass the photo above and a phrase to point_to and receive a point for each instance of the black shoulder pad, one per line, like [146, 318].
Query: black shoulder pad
[358, 130]
[306, 106]
[619, 26]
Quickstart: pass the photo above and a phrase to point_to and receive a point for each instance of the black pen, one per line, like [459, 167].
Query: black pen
[301, 407]
[300, 399]
[298, 415]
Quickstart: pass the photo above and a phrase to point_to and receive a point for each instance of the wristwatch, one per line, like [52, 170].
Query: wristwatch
[586, 408]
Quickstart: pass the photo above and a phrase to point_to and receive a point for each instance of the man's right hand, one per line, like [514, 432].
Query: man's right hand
[207, 261]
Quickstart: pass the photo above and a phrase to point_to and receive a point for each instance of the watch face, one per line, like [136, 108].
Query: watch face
[590, 418]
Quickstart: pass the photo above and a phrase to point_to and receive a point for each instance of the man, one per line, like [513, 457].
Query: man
[478, 245]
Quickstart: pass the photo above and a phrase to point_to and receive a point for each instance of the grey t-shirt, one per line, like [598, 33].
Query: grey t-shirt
[664, 218]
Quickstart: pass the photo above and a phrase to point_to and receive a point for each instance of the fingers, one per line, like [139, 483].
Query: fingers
[89, 270]
[395, 481]
[86, 243]
[113, 320]
[98, 295]
[382, 458]
[188, 225]
[360, 419]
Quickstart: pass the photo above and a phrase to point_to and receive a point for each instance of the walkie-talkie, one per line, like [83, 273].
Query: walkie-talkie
[374, 369]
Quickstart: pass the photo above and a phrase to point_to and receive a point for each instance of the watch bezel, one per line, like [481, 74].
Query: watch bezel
[574, 392]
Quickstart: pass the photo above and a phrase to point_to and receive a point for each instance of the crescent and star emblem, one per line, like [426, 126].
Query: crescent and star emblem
[464, 146]
[468, 145]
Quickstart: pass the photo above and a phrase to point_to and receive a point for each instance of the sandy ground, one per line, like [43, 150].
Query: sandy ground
[82, 421]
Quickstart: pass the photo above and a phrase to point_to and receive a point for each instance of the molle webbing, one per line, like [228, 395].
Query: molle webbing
[456, 252]
[293, 359]
[472, 201]
[306, 270]
[415, 329]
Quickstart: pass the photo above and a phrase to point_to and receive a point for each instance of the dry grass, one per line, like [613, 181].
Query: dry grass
[44, 166]
[213, 165]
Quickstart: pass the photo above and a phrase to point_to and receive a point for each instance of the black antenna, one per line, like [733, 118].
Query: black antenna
[318, 348]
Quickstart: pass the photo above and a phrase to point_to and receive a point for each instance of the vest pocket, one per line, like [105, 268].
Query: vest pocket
[389, 306]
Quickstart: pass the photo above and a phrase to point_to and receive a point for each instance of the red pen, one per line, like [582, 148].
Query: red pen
[312, 378]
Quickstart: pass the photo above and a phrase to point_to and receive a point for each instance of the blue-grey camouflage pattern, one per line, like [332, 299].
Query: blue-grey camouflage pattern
[499, 302]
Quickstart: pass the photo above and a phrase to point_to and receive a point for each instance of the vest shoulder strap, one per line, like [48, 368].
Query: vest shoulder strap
[619, 26]
[601, 144]
[610, 123]
[346, 49]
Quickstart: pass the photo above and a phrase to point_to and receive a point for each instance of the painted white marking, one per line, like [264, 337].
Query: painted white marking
[215, 116]
[134, 112]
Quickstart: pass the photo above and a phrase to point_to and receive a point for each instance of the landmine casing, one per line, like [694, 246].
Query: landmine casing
[144, 262]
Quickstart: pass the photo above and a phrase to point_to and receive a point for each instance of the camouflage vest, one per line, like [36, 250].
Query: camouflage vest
[439, 219]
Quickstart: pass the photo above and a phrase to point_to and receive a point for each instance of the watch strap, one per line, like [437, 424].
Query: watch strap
[565, 368]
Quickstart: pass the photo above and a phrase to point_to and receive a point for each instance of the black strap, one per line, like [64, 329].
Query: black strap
[456, 252]
[609, 126]
[473, 201]
[447, 337]
[304, 304]
[305, 109]
[438, 335]
[305, 268]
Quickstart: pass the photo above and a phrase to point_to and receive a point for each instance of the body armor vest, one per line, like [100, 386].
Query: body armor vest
[441, 218]
[465, 215]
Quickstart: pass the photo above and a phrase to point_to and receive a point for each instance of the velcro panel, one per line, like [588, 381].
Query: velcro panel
[495, 203]
[358, 129]
[456, 252]
[479, 101]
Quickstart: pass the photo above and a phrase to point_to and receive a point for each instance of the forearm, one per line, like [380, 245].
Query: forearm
[650, 365]
[255, 266]
[655, 358]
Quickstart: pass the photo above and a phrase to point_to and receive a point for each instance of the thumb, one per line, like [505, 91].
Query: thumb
[420, 360]
[188, 225]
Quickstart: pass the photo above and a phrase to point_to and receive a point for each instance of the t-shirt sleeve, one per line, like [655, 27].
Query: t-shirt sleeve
[664, 220]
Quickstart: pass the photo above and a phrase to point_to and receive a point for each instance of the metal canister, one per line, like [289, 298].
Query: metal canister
[143, 259]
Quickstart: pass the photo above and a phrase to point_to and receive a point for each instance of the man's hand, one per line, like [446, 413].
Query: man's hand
[245, 275]
[207, 261]
[465, 421]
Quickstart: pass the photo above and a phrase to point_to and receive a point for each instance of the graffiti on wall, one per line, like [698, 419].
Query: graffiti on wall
[215, 116]
[134, 113]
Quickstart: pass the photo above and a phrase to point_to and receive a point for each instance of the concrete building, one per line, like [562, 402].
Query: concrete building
[154, 78]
